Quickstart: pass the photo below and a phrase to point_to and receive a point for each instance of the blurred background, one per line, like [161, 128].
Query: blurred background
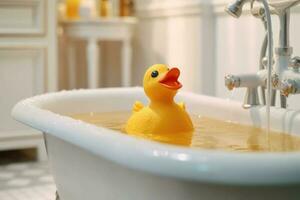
[52, 45]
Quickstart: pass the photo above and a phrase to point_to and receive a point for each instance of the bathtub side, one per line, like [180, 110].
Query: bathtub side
[82, 175]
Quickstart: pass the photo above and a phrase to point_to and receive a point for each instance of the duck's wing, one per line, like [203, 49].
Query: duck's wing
[181, 105]
[137, 106]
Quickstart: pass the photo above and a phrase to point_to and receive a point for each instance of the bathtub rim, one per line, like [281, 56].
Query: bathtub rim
[210, 166]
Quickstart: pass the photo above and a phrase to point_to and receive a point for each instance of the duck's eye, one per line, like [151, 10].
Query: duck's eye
[154, 74]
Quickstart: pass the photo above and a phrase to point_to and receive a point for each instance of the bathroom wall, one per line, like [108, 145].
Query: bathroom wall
[205, 41]
[197, 36]
[179, 33]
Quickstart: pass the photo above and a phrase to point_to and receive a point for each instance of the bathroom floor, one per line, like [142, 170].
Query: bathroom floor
[26, 181]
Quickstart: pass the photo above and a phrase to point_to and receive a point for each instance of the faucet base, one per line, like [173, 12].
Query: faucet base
[251, 98]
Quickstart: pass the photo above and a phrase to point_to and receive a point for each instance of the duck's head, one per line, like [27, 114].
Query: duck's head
[161, 82]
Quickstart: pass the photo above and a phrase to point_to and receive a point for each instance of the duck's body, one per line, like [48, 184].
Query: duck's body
[162, 116]
[159, 119]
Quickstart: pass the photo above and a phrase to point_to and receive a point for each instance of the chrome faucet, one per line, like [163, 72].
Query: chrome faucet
[285, 72]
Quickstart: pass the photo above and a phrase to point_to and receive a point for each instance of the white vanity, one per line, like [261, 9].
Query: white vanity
[27, 65]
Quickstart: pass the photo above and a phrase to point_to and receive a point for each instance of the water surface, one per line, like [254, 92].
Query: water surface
[209, 133]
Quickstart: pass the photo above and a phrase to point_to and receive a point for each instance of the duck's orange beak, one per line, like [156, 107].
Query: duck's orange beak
[170, 80]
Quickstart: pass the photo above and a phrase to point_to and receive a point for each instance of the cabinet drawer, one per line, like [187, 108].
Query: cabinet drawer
[22, 17]
[21, 76]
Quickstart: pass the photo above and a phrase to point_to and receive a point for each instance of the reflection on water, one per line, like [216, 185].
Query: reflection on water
[209, 134]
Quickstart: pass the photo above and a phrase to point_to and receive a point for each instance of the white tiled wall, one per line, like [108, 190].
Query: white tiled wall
[181, 34]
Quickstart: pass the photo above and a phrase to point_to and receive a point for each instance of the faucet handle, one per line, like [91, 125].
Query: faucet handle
[232, 82]
[295, 63]
[288, 87]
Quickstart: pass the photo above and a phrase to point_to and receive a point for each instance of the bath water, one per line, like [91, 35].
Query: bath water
[208, 134]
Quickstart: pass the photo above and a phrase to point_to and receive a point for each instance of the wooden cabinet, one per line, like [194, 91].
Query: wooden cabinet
[28, 64]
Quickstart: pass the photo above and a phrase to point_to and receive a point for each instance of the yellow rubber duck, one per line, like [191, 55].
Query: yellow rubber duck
[162, 119]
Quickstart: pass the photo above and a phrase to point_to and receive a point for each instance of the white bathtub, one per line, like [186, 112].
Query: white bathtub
[92, 163]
